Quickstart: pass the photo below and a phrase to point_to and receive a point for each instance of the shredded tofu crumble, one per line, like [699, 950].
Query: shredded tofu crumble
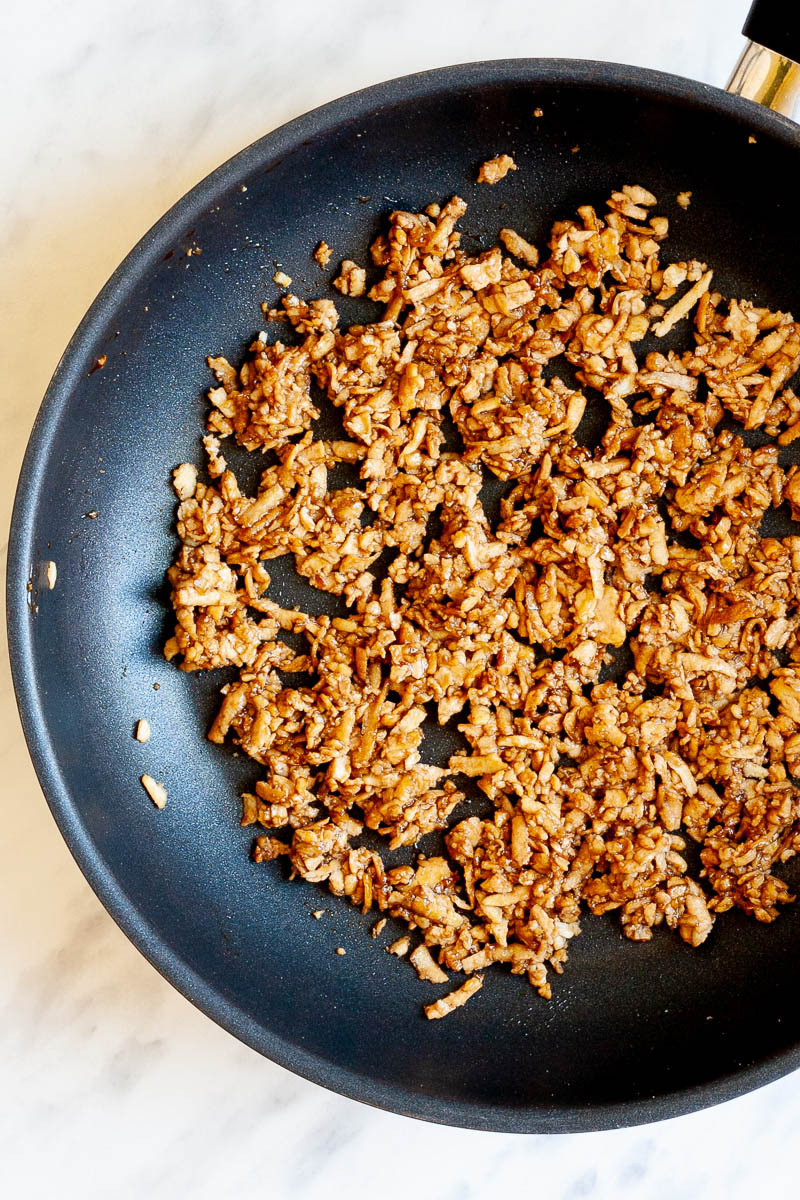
[504, 625]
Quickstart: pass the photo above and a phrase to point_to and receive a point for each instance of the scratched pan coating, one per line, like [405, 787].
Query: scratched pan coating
[633, 1033]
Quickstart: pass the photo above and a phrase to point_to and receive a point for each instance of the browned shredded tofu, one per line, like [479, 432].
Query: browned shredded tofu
[156, 791]
[184, 480]
[425, 965]
[495, 169]
[351, 280]
[519, 247]
[454, 1000]
[323, 254]
[614, 640]
[400, 947]
[684, 199]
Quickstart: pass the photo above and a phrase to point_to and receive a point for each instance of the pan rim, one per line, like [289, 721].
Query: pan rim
[584, 73]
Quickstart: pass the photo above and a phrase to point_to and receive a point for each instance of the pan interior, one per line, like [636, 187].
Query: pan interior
[627, 1023]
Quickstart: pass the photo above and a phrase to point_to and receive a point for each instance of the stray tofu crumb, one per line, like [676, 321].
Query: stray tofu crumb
[99, 363]
[51, 574]
[454, 1000]
[400, 947]
[282, 279]
[352, 279]
[519, 247]
[93, 515]
[143, 730]
[495, 169]
[156, 791]
[538, 112]
[424, 964]
[684, 199]
[318, 914]
[751, 140]
[184, 480]
[574, 149]
[323, 254]
[340, 950]
[378, 927]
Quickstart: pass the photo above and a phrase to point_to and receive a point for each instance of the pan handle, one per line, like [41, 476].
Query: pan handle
[768, 70]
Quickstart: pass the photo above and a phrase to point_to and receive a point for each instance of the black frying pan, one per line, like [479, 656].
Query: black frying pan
[633, 1033]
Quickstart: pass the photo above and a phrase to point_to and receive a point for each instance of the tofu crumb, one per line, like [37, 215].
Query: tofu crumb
[184, 480]
[400, 947]
[318, 913]
[495, 169]
[143, 730]
[378, 927]
[684, 199]
[574, 149]
[538, 112]
[323, 254]
[455, 999]
[684, 306]
[426, 967]
[282, 279]
[351, 280]
[51, 574]
[751, 140]
[156, 791]
[340, 950]
[519, 247]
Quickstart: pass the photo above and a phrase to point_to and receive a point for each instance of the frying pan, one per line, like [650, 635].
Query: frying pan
[633, 1033]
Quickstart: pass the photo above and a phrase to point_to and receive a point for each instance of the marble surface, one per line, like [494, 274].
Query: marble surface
[112, 1085]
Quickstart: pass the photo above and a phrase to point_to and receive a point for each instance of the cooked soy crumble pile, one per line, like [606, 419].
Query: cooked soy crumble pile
[650, 541]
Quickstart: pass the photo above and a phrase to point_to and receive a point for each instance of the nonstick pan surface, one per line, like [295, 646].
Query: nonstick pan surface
[633, 1033]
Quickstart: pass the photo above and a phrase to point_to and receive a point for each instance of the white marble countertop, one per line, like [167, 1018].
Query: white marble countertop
[112, 1085]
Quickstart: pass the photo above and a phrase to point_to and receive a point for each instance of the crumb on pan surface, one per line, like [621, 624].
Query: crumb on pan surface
[156, 791]
[184, 480]
[517, 245]
[495, 169]
[351, 280]
[649, 540]
[323, 254]
[453, 1000]
[143, 730]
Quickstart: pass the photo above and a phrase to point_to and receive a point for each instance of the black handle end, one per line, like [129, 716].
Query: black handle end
[776, 25]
